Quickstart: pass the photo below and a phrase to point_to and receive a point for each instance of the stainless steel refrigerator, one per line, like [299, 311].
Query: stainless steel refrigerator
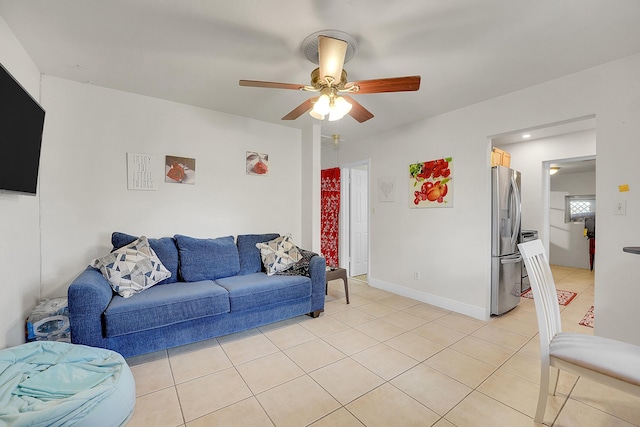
[506, 262]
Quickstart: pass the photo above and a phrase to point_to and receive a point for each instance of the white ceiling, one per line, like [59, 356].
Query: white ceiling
[195, 51]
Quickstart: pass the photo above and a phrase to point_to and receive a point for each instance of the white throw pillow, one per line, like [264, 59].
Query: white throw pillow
[279, 254]
[132, 268]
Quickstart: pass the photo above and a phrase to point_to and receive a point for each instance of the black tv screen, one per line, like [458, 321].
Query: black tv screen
[21, 125]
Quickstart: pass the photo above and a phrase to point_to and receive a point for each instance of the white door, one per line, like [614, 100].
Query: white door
[358, 236]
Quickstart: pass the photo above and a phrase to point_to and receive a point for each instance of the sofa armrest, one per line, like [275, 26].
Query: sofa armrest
[317, 272]
[89, 295]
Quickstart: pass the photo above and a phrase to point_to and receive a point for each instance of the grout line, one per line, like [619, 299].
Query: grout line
[434, 321]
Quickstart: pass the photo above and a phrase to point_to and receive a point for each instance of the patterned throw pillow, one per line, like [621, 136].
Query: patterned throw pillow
[279, 254]
[132, 268]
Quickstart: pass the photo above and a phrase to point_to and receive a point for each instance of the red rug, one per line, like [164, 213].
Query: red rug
[587, 320]
[564, 297]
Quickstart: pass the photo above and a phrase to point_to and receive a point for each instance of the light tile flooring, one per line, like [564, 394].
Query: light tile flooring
[383, 360]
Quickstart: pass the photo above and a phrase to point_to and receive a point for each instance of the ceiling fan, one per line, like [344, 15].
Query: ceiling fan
[330, 82]
[336, 139]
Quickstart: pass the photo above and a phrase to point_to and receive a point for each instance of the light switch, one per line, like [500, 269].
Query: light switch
[620, 207]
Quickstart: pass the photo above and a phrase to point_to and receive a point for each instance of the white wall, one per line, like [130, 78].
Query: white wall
[567, 244]
[19, 218]
[450, 247]
[330, 155]
[84, 196]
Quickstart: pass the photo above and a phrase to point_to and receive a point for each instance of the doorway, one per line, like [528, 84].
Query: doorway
[571, 186]
[354, 219]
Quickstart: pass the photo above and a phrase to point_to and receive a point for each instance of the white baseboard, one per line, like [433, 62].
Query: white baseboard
[446, 303]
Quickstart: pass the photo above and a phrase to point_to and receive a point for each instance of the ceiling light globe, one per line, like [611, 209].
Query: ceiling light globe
[316, 115]
[342, 106]
[322, 105]
[334, 115]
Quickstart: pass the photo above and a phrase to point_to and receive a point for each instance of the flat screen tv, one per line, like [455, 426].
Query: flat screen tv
[21, 125]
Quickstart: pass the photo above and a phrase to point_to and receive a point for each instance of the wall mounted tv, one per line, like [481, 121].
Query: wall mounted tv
[21, 124]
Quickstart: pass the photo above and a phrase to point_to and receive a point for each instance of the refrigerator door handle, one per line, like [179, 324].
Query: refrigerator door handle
[516, 227]
[511, 260]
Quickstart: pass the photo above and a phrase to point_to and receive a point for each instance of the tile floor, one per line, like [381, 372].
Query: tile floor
[383, 360]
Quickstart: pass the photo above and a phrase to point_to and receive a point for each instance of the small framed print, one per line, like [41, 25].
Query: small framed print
[140, 172]
[387, 189]
[180, 170]
[257, 163]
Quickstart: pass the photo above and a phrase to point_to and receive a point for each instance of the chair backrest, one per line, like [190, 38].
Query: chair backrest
[545, 296]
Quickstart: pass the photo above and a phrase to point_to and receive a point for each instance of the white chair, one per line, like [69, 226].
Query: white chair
[610, 362]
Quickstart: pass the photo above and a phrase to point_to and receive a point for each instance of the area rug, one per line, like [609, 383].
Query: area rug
[587, 320]
[362, 277]
[564, 297]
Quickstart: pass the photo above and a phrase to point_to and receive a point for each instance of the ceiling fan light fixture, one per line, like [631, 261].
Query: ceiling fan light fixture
[335, 106]
[322, 105]
[331, 49]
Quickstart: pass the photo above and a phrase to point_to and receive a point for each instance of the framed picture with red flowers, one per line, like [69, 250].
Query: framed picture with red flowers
[257, 163]
[180, 170]
[431, 184]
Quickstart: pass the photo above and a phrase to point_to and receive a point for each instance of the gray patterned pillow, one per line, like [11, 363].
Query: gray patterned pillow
[132, 268]
[279, 254]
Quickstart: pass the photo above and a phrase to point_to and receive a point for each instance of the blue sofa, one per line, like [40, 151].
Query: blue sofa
[228, 293]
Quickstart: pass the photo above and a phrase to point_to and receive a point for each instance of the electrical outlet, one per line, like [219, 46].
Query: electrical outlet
[416, 275]
[620, 207]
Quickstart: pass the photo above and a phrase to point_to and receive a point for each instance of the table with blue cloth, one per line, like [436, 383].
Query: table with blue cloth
[49, 383]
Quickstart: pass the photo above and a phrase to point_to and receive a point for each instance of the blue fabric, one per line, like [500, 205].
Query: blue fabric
[48, 383]
[207, 259]
[88, 296]
[165, 248]
[205, 328]
[164, 305]
[318, 274]
[250, 260]
[257, 289]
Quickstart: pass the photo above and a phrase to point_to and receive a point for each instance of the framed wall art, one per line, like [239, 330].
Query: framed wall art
[430, 184]
[180, 170]
[387, 189]
[257, 163]
[139, 172]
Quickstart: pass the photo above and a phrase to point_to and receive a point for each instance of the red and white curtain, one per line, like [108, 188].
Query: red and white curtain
[330, 214]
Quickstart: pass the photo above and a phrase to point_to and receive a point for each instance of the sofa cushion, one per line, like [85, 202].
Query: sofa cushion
[278, 254]
[259, 290]
[164, 305]
[207, 259]
[250, 261]
[132, 268]
[164, 247]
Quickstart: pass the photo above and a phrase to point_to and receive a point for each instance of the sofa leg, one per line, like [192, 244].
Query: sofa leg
[316, 313]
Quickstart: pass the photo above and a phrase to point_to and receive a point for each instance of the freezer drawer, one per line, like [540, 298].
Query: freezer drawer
[506, 280]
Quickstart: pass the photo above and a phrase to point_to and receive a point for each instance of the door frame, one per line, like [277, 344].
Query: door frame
[345, 214]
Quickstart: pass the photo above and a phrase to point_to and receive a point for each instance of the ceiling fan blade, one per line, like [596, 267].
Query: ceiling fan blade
[274, 85]
[331, 54]
[301, 109]
[392, 84]
[358, 112]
